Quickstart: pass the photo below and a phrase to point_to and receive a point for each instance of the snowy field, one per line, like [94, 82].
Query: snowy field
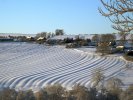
[33, 66]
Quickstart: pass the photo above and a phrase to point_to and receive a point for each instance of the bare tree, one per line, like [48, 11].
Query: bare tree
[132, 38]
[123, 36]
[119, 12]
[95, 38]
[55, 91]
[105, 43]
[97, 78]
[59, 32]
[42, 34]
[25, 95]
[8, 94]
[81, 92]
[127, 94]
[41, 95]
[113, 85]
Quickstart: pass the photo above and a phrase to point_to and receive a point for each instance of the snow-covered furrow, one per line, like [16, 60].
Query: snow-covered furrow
[12, 53]
[7, 46]
[49, 71]
[33, 66]
[77, 76]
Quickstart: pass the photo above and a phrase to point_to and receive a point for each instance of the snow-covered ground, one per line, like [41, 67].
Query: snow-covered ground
[33, 66]
[125, 74]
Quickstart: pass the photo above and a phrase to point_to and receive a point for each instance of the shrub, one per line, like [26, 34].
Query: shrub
[55, 92]
[129, 58]
[41, 95]
[72, 45]
[8, 94]
[80, 92]
[25, 95]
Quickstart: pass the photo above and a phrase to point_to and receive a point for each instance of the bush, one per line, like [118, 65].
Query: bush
[129, 58]
[8, 94]
[72, 45]
[25, 95]
[41, 95]
[55, 92]
[78, 92]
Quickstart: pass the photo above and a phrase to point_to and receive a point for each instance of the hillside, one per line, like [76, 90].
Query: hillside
[33, 66]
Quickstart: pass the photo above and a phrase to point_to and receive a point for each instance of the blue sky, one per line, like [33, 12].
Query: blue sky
[33, 16]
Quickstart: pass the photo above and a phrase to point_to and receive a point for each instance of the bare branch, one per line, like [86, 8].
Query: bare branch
[119, 12]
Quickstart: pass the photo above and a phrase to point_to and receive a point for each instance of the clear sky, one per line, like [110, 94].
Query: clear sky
[33, 16]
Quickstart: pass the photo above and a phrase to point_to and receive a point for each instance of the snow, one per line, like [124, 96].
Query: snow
[34, 66]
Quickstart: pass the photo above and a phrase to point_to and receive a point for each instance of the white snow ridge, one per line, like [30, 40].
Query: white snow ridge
[33, 66]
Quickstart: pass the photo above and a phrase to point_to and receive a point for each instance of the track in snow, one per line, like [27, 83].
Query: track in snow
[33, 66]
